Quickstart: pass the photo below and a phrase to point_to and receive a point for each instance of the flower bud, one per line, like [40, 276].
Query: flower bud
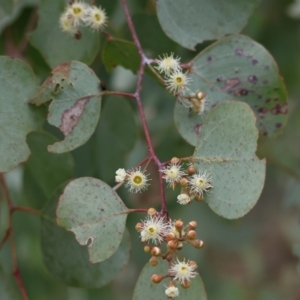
[191, 234]
[186, 284]
[183, 181]
[170, 236]
[179, 246]
[172, 245]
[193, 263]
[192, 225]
[147, 248]
[151, 211]
[155, 251]
[139, 226]
[175, 160]
[178, 225]
[191, 170]
[198, 244]
[153, 261]
[200, 198]
[157, 278]
[200, 95]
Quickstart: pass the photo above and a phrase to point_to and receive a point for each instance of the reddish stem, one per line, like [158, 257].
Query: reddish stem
[137, 95]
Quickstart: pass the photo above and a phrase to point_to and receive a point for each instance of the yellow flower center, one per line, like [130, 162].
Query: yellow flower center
[77, 10]
[178, 80]
[184, 270]
[152, 229]
[97, 17]
[137, 179]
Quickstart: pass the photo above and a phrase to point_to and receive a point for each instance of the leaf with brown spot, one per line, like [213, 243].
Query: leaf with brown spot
[236, 68]
[75, 108]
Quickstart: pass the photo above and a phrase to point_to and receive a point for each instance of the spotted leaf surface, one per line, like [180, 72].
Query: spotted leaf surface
[226, 149]
[75, 108]
[190, 22]
[93, 212]
[68, 261]
[145, 286]
[236, 68]
[18, 118]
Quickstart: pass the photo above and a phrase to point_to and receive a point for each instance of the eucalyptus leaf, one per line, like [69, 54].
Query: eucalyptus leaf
[56, 46]
[146, 289]
[17, 84]
[236, 68]
[190, 22]
[120, 53]
[95, 213]
[69, 262]
[226, 149]
[6, 290]
[76, 102]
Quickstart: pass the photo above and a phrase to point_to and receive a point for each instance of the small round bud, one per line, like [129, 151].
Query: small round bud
[193, 263]
[200, 95]
[192, 225]
[170, 236]
[172, 245]
[153, 261]
[178, 225]
[147, 248]
[186, 284]
[183, 181]
[191, 234]
[139, 226]
[175, 160]
[191, 170]
[155, 251]
[200, 198]
[198, 244]
[179, 246]
[151, 211]
[157, 278]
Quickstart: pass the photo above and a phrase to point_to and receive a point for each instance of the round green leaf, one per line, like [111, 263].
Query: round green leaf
[95, 213]
[75, 109]
[146, 289]
[69, 262]
[57, 46]
[236, 68]
[119, 52]
[226, 149]
[17, 85]
[190, 22]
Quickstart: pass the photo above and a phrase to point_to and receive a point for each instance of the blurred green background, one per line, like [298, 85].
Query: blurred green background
[256, 257]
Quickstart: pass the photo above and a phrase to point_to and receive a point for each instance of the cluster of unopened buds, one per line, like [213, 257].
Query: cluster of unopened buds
[158, 230]
[78, 14]
[177, 82]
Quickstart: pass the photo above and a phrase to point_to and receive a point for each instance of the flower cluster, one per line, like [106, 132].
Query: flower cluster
[156, 230]
[136, 180]
[193, 185]
[79, 14]
[176, 80]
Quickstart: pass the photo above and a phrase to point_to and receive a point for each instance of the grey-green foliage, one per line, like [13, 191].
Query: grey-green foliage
[95, 213]
[226, 149]
[146, 289]
[194, 21]
[74, 91]
[17, 84]
[236, 68]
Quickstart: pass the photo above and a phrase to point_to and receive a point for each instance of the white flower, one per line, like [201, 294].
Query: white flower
[120, 175]
[96, 18]
[182, 271]
[177, 82]
[77, 12]
[137, 181]
[183, 199]
[168, 64]
[154, 229]
[172, 292]
[66, 24]
[200, 183]
[172, 173]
